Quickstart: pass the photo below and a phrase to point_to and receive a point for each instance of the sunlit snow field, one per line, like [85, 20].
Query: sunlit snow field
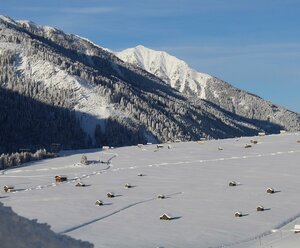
[193, 177]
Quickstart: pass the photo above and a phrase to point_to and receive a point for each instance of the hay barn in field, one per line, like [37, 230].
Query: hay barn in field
[128, 186]
[8, 188]
[99, 203]
[110, 195]
[238, 214]
[165, 217]
[60, 178]
[80, 184]
[232, 183]
[260, 208]
[270, 191]
[161, 196]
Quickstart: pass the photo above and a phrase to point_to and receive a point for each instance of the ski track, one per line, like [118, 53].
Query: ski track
[105, 170]
[113, 213]
[205, 160]
[39, 187]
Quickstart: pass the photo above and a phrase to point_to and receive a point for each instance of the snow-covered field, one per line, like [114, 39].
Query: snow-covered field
[193, 177]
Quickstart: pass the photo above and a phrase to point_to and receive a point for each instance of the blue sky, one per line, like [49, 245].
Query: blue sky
[254, 45]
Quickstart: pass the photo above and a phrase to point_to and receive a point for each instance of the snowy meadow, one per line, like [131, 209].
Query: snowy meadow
[192, 180]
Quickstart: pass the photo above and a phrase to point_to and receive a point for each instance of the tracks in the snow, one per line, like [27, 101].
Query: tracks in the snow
[113, 213]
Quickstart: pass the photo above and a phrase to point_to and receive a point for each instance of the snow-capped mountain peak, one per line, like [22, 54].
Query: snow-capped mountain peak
[170, 69]
[30, 24]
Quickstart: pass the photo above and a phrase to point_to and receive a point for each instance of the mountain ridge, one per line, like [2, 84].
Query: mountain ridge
[116, 103]
[200, 85]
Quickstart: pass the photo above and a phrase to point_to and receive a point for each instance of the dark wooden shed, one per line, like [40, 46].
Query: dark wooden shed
[61, 178]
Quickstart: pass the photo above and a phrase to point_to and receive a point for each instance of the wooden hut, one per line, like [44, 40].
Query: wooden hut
[60, 178]
[248, 146]
[110, 195]
[8, 188]
[232, 183]
[296, 228]
[165, 217]
[128, 186]
[260, 208]
[261, 134]
[161, 196]
[238, 214]
[270, 191]
[99, 203]
[80, 184]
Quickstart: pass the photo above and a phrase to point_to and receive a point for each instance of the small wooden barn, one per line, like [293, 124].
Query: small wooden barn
[238, 214]
[80, 184]
[161, 196]
[128, 186]
[260, 208]
[110, 195]
[232, 183]
[60, 178]
[270, 191]
[165, 217]
[296, 228]
[99, 203]
[8, 188]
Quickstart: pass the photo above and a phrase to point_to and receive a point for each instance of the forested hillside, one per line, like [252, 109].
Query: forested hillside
[67, 90]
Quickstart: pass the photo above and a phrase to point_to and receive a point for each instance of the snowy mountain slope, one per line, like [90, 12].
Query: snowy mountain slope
[86, 100]
[194, 177]
[117, 103]
[195, 84]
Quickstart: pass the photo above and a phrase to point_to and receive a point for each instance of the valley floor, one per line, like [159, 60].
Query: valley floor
[193, 177]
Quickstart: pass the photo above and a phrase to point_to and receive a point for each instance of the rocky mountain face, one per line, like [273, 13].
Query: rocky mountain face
[194, 84]
[114, 102]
